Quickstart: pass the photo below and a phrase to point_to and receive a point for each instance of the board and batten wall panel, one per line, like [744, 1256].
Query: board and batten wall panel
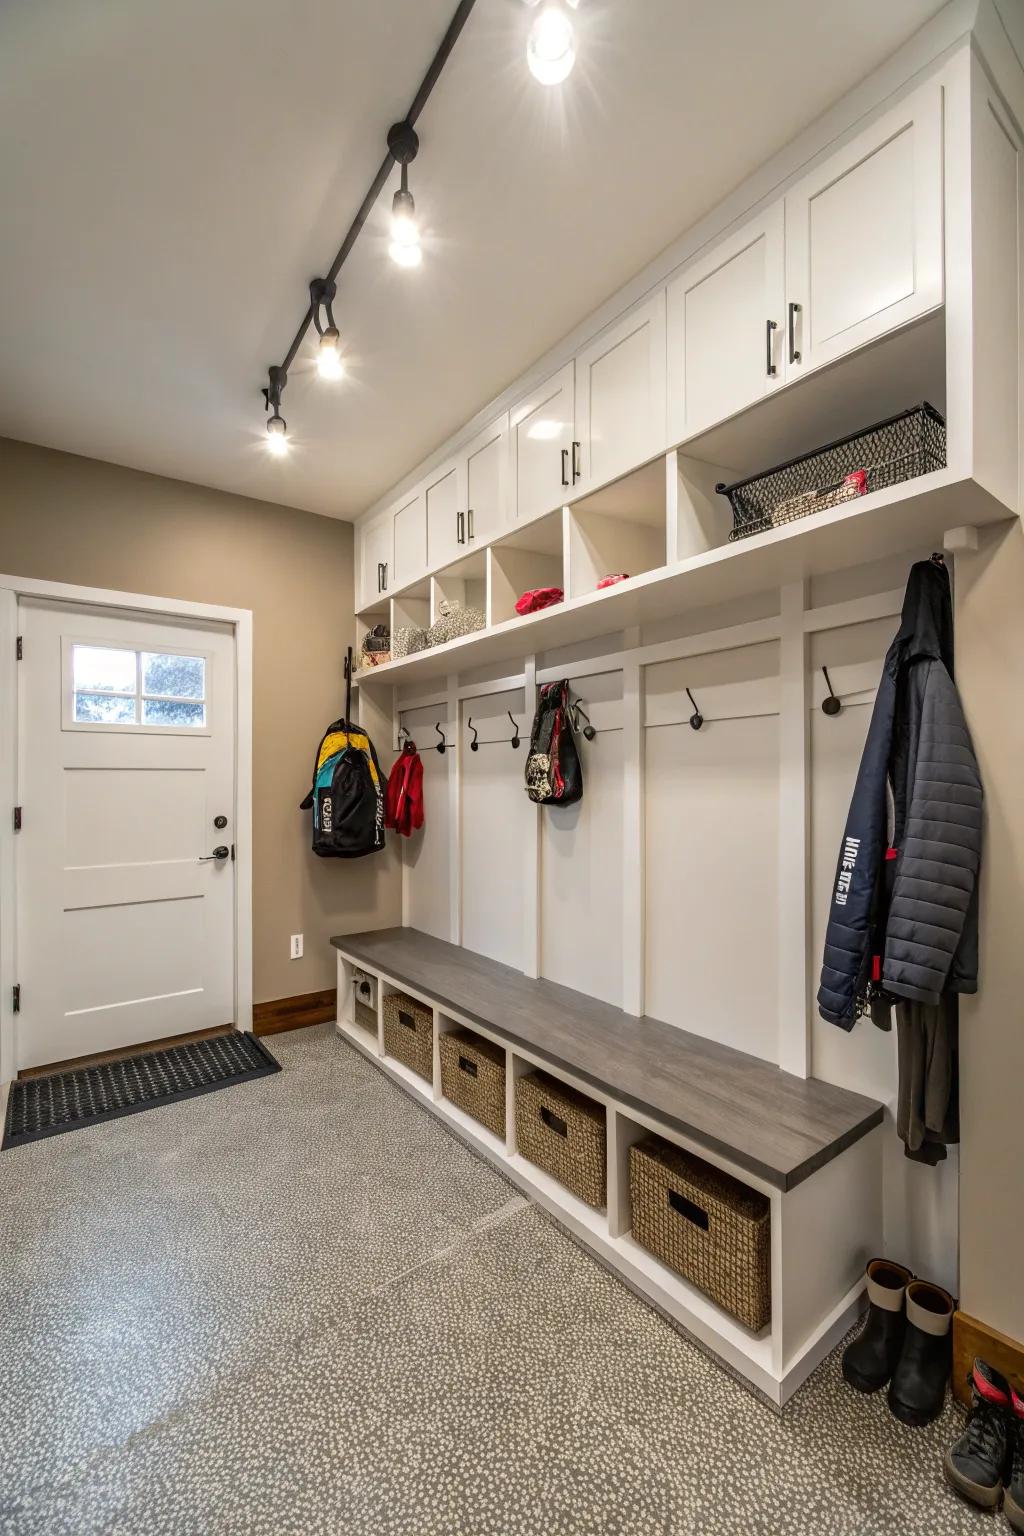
[427, 853]
[711, 940]
[497, 819]
[919, 1203]
[581, 858]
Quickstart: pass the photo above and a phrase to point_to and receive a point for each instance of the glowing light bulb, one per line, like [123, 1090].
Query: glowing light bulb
[277, 436]
[551, 48]
[405, 236]
[328, 356]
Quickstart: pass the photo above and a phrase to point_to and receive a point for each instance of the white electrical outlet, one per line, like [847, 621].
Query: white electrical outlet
[296, 949]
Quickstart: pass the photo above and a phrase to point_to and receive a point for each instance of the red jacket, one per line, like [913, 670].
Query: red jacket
[403, 798]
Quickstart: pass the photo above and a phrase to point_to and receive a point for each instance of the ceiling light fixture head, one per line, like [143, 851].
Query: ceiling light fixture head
[277, 427]
[403, 145]
[322, 293]
[551, 46]
[328, 355]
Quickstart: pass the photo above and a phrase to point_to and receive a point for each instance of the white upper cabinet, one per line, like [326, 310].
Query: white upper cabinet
[541, 427]
[620, 397]
[725, 326]
[375, 559]
[410, 539]
[864, 235]
[486, 481]
[445, 504]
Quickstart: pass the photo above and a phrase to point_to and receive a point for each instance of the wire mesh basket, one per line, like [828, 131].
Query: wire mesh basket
[897, 449]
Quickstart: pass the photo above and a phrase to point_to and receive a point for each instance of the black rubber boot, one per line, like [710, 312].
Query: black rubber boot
[871, 1359]
[1013, 1505]
[918, 1387]
[976, 1464]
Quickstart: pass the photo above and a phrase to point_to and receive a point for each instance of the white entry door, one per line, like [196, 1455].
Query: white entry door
[125, 858]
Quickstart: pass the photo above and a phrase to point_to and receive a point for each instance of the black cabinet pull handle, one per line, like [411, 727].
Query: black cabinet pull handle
[577, 473]
[385, 586]
[380, 576]
[460, 527]
[469, 515]
[770, 327]
[565, 466]
[794, 310]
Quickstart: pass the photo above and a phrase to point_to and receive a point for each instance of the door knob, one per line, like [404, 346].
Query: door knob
[220, 854]
[220, 822]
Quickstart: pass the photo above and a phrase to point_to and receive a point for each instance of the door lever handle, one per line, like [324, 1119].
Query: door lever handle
[218, 855]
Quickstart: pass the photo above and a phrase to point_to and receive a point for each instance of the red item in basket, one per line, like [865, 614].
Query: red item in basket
[858, 478]
[539, 597]
[609, 581]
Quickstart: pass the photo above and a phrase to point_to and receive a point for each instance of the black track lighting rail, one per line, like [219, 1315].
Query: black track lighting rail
[401, 149]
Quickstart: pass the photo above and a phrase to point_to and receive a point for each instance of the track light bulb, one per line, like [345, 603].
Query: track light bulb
[277, 436]
[328, 356]
[405, 235]
[551, 47]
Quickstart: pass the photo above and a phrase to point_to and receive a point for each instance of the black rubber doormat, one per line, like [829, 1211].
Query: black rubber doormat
[66, 1101]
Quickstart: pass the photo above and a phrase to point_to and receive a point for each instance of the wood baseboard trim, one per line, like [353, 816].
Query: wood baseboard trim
[971, 1338]
[77, 1063]
[299, 1012]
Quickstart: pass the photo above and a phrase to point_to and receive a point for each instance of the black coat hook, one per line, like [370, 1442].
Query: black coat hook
[440, 745]
[832, 705]
[696, 719]
[588, 730]
[474, 745]
[515, 730]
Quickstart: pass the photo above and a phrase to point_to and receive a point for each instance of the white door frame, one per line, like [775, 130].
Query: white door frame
[12, 588]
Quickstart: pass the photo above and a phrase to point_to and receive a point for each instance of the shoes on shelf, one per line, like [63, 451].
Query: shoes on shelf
[1013, 1499]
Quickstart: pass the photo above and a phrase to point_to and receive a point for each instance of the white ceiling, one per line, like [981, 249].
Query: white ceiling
[172, 175]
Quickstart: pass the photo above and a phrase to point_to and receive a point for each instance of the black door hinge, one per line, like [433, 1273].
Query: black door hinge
[232, 853]
[21, 648]
[17, 818]
[16, 997]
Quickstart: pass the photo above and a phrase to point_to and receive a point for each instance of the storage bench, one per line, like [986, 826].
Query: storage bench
[807, 1153]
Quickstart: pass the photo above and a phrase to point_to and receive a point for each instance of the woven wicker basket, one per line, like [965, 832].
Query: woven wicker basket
[473, 1077]
[563, 1132]
[710, 1228]
[409, 1033]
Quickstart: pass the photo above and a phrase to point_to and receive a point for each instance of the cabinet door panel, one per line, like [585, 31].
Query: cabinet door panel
[864, 234]
[720, 349]
[620, 396]
[542, 428]
[487, 483]
[410, 533]
[444, 523]
[376, 554]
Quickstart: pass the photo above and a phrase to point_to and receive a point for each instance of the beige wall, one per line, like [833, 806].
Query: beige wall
[64, 518]
[990, 673]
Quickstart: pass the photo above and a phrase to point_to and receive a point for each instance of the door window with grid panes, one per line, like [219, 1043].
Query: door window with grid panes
[112, 687]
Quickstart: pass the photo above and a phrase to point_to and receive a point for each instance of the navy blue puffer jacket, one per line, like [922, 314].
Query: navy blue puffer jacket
[904, 917]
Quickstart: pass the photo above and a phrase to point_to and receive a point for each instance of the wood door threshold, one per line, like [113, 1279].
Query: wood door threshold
[76, 1063]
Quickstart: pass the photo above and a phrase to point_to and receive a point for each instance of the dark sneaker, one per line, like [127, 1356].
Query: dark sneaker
[1013, 1502]
[871, 1359]
[918, 1387]
[976, 1463]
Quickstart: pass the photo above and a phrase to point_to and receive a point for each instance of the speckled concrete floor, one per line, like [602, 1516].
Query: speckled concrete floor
[299, 1306]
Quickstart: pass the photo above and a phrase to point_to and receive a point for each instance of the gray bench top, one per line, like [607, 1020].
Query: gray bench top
[777, 1126]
